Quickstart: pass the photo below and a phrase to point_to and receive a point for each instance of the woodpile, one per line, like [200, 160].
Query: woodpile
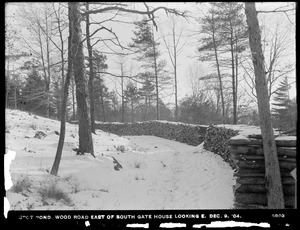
[247, 153]
[184, 133]
[216, 139]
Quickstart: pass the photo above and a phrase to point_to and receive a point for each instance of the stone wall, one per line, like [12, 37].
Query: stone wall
[248, 155]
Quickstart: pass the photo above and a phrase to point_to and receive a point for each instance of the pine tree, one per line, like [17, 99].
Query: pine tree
[226, 32]
[209, 49]
[33, 93]
[284, 110]
[234, 34]
[147, 91]
[145, 44]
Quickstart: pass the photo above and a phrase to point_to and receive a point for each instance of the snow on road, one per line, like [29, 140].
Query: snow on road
[186, 177]
[156, 173]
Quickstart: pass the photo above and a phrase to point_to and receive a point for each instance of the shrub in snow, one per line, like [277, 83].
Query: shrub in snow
[22, 184]
[33, 126]
[40, 135]
[103, 190]
[163, 164]
[137, 165]
[139, 178]
[121, 148]
[52, 191]
[216, 139]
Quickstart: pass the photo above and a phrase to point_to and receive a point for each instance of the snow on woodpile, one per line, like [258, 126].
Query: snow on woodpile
[218, 136]
[245, 130]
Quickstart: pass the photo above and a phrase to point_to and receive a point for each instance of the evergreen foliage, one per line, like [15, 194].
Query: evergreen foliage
[33, 93]
[155, 74]
[143, 42]
[285, 110]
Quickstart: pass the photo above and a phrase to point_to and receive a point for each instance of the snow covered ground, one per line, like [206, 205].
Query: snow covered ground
[156, 173]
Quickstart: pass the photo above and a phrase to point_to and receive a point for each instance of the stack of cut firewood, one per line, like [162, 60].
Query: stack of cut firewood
[248, 155]
[185, 133]
[216, 139]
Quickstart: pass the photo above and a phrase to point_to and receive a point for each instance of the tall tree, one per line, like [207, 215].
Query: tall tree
[85, 134]
[55, 166]
[144, 43]
[91, 75]
[122, 65]
[58, 31]
[147, 91]
[272, 170]
[100, 88]
[228, 35]
[211, 43]
[174, 46]
[233, 34]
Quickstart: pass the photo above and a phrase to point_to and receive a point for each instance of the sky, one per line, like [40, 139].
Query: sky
[187, 60]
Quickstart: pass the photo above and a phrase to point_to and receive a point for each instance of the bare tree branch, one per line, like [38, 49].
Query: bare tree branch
[275, 11]
[148, 12]
[118, 76]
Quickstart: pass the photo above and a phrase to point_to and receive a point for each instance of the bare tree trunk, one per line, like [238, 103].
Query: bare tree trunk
[48, 76]
[176, 93]
[156, 78]
[91, 77]
[48, 81]
[61, 55]
[173, 57]
[272, 174]
[236, 84]
[15, 96]
[44, 69]
[219, 72]
[85, 134]
[101, 93]
[122, 94]
[146, 108]
[73, 98]
[233, 79]
[55, 167]
[132, 109]
[6, 94]
[102, 102]
[7, 83]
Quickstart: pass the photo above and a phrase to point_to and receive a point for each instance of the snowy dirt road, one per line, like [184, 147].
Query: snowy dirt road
[156, 173]
[183, 176]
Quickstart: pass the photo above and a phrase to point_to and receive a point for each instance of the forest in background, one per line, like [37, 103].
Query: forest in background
[36, 64]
